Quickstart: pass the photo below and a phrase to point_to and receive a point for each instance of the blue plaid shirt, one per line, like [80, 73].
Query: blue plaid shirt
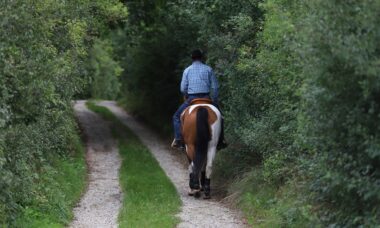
[199, 78]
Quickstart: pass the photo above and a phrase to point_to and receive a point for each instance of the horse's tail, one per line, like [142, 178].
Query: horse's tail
[202, 138]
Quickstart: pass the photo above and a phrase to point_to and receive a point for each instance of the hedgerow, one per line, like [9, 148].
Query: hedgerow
[44, 47]
[340, 118]
[299, 92]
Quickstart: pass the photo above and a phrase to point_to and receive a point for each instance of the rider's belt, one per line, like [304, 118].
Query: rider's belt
[199, 94]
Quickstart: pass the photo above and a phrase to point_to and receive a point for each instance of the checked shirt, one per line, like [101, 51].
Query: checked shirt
[199, 78]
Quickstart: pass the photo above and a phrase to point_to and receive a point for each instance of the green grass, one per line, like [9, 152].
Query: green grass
[150, 199]
[266, 205]
[59, 189]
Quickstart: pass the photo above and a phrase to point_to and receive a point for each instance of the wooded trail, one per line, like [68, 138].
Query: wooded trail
[100, 204]
[194, 212]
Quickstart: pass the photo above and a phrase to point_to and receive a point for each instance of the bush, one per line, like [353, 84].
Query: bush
[153, 47]
[341, 109]
[44, 48]
[104, 70]
[299, 92]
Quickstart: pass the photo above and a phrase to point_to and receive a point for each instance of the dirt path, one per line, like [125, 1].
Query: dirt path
[99, 206]
[195, 212]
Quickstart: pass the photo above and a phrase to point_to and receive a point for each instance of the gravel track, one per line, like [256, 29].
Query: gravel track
[195, 212]
[100, 204]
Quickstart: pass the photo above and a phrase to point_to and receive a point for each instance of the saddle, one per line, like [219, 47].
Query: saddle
[201, 101]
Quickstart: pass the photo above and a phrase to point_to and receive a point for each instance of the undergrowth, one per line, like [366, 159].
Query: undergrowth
[150, 199]
[59, 188]
[264, 203]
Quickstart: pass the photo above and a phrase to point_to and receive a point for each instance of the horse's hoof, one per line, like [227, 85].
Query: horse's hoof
[197, 194]
[207, 196]
[194, 192]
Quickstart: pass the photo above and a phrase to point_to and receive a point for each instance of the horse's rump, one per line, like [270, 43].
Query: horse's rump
[189, 126]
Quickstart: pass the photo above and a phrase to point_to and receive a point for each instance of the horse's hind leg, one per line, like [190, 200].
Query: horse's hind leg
[203, 177]
[210, 158]
[195, 185]
[190, 156]
[193, 181]
[195, 177]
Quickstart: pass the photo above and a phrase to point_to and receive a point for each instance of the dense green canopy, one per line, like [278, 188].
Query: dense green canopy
[300, 91]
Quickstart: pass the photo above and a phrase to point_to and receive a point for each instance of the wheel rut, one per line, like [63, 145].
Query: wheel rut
[100, 204]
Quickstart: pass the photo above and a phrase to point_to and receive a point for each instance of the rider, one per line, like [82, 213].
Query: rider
[198, 80]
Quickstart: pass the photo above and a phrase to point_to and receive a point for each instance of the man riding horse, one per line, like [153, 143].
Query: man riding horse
[198, 80]
[201, 121]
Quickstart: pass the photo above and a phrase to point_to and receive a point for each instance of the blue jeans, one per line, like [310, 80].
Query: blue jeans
[177, 114]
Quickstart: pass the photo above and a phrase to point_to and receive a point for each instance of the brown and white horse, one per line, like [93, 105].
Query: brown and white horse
[201, 127]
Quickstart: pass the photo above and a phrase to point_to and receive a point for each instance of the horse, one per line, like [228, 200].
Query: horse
[201, 127]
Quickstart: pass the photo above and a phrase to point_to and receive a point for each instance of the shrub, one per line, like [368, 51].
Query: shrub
[341, 109]
[299, 91]
[105, 71]
[44, 48]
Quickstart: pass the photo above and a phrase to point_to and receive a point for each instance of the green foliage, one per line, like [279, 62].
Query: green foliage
[57, 190]
[266, 205]
[299, 92]
[44, 47]
[150, 199]
[104, 70]
[340, 118]
[151, 51]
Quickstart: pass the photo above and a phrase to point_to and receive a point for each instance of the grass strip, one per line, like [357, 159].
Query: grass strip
[150, 198]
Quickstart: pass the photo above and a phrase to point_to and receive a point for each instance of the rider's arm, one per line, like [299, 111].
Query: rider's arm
[214, 87]
[184, 83]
